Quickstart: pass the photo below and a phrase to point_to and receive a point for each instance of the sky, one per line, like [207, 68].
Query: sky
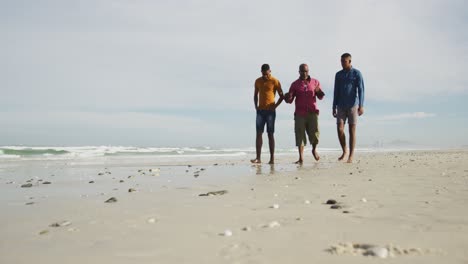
[181, 73]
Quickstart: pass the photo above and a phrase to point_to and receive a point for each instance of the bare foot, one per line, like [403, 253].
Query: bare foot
[350, 159]
[256, 161]
[316, 156]
[342, 156]
[271, 162]
[298, 162]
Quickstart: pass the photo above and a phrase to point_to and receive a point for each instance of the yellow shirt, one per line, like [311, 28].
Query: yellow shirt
[267, 88]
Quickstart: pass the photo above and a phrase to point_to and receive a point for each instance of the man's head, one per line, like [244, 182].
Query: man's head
[265, 70]
[346, 61]
[304, 71]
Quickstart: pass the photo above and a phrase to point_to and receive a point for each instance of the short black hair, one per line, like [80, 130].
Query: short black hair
[265, 67]
[346, 55]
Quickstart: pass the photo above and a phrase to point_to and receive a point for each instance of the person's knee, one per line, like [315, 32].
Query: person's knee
[271, 135]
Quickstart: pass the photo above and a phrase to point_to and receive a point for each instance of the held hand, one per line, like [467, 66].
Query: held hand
[334, 112]
[287, 97]
[317, 89]
[360, 110]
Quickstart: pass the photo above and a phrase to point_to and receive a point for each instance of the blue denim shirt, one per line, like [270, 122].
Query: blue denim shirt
[349, 89]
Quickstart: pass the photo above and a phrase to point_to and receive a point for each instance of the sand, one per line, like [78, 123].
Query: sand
[410, 207]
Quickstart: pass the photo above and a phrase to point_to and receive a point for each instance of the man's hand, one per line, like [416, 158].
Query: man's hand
[360, 111]
[317, 89]
[334, 112]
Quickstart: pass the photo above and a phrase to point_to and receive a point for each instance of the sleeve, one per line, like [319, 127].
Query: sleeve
[335, 91]
[360, 86]
[278, 87]
[320, 94]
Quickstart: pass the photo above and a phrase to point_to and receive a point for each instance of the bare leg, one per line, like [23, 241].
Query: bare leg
[352, 142]
[258, 146]
[342, 138]
[271, 143]
[314, 152]
[300, 149]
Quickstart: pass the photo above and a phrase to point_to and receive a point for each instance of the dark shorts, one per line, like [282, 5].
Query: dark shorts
[265, 117]
[350, 114]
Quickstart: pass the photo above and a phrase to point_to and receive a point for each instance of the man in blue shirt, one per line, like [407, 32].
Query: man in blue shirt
[348, 103]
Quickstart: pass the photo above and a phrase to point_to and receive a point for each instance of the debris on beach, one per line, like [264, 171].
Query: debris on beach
[246, 228]
[43, 232]
[364, 200]
[331, 201]
[371, 250]
[226, 233]
[131, 190]
[335, 206]
[275, 206]
[61, 223]
[151, 220]
[272, 224]
[47, 182]
[27, 185]
[111, 200]
[91, 182]
[214, 193]
[30, 203]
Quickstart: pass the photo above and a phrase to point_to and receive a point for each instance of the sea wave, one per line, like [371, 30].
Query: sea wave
[29, 152]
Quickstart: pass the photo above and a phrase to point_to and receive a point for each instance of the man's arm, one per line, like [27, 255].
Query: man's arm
[281, 96]
[335, 95]
[318, 91]
[256, 97]
[360, 91]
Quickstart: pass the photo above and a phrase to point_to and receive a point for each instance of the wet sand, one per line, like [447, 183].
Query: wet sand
[411, 204]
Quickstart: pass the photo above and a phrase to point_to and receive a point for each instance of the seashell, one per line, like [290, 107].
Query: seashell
[364, 200]
[275, 206]
[307, 202]
[273, 224]
[380, 252]
[151, 220]
[227, 233]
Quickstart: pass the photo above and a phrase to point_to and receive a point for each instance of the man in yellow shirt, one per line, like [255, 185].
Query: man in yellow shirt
[265, 89]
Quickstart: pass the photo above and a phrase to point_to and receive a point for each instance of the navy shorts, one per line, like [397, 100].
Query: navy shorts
[266, 117]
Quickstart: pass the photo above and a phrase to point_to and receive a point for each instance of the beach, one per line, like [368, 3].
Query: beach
[401, 206]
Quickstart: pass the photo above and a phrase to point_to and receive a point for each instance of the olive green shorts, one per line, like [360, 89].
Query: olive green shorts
[306, 124]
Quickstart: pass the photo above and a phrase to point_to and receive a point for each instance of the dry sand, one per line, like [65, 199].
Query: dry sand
[413, 206]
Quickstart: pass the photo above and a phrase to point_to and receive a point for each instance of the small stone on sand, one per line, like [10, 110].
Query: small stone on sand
[27, 185]
[335, 206]
[131, 190]
[46, 182]
[331, 201]
[111, 200]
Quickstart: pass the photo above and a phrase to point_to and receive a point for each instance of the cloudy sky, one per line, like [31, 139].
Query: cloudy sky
[181, 73]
